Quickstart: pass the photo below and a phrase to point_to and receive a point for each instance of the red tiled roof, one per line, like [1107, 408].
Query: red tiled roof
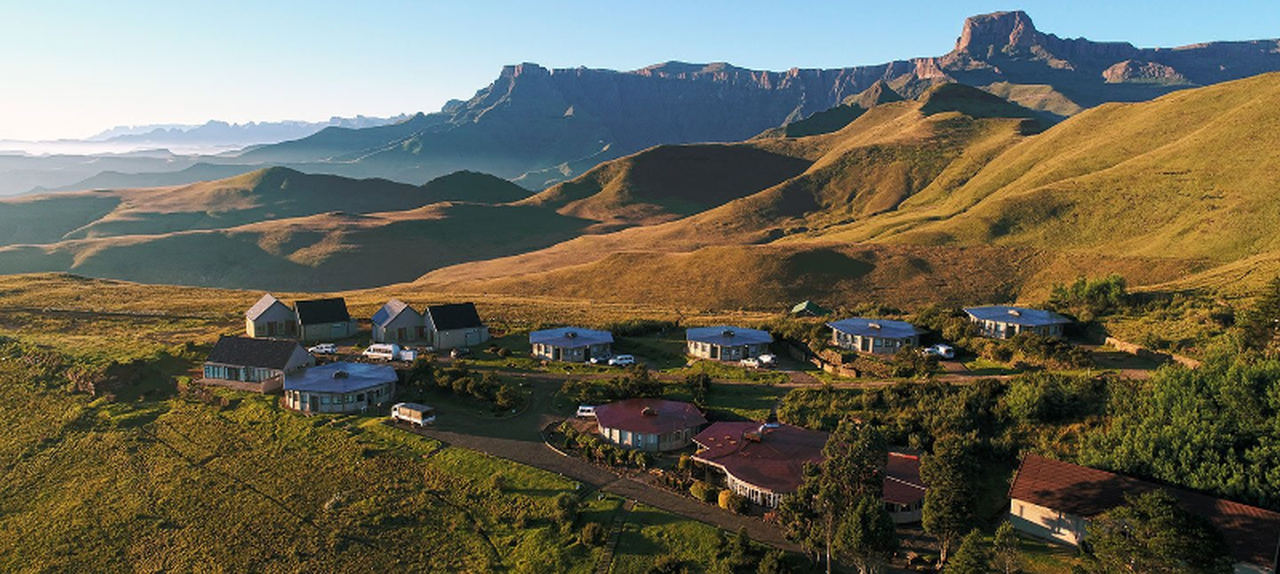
[1252, 533]
[902, 483]
[774, 463]
[649, 416]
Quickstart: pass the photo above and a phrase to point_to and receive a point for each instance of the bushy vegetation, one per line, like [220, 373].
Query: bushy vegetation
[636, 382]
[1152, 533]
[592, 447]
[1089, 299]
[1031, 350]
[460, 381]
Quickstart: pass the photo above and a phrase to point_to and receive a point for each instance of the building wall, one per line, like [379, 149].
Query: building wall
[1003, 330]
[460, 338]
[905, 514]
[724, 352]
[314, 402]
[874, 345]
[1046, 523]
[571, 355]
[649, 442]
[410, 321]
[277, 321]
[328, 331]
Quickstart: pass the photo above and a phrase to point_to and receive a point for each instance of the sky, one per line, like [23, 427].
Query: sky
[69, 69]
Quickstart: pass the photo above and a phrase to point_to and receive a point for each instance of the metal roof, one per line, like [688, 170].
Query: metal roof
[728, 336]
[454, 316]
[570, 337]
[355, 377]
[390, 312]
[772, 460]
[261, 306]
[881, 328]
[649, 416]
[1016, 315]
[321, 311]
[246, 352]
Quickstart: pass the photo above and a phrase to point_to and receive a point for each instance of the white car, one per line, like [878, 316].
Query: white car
[324, 349]
[586, 412]
[941, 351]
[768, 361]
[598, 360]
[622, 361]
[751, 362]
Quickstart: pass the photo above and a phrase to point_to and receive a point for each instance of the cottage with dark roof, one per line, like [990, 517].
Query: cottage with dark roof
[324, 319]
[339, 388]
[571, 344]
[1055, 500]
[765, 463]
[649, 424]
[270, 318]
[875, 336]
[727, 343]
[1005, 322]
[398, 322]
[257, 365]
[453, 326]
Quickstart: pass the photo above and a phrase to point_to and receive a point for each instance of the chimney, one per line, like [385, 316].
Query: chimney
[1015, 312]
[874, 325]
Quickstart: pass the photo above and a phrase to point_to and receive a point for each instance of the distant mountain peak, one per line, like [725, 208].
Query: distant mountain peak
[877, 94]
[999, 30]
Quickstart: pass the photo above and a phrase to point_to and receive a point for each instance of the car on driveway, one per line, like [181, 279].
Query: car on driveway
[586, 412]
[324, 349]
[460, 352]
[622, 361]
[750, 362]
[941, 351]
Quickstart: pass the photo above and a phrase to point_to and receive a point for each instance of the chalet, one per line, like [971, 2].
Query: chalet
[397, 322]
[1004, 322]
[456, 325]
[324, 319]
[649, 424]
[1054, 500]
[876, 336]
[257, 365]
[904, 490]
[571, 344]
[339, 388]
[271, 318]
[727, 343]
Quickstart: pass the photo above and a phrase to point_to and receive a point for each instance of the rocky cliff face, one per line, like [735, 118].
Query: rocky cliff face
[546, 125]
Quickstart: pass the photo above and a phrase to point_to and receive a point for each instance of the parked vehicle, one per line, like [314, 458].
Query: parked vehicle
[622, 361]
[750, 362]
[941, 351]
[389, 352]
[586, 412]
[598, 360]
[768, 361]
[324, 349]
[460, 352]
[413, 413]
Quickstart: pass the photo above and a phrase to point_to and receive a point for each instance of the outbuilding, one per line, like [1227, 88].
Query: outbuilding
[398, 322]
[455, 325]
[571, 344]
[257, 365]
[1055, 500]
[1005, 322]
[339, 388]
[649, 424]
[875, 336]
[324, 319]
[271, 318]
[727, 343]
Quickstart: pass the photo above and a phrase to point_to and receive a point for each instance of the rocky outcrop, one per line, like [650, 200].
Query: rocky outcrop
[1133, 71]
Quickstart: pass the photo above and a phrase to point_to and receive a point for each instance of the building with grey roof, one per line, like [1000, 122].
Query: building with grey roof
[1005, 322]
[571, 344]
[724, 343]
[324, 319]
[339, 388]
[455, 325]
[271, 318]
[398, 322]
[875, 336]
[257, 365]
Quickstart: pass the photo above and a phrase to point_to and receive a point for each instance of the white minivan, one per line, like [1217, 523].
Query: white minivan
[389, 352]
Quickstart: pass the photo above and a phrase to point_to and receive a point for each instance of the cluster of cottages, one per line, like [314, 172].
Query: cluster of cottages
[761, 462]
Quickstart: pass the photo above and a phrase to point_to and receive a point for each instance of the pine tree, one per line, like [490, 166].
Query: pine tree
[950, 502]
[973, 556]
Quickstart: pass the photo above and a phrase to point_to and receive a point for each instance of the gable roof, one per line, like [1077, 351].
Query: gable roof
[320, 311]
[390, 312]
[247, 352]
[770, 458]
[809, 308]
[1252, 533]
[340, 377]
[728, 336]
[266, 302]
[454, 316]
[902, 482]
[649, 416]
[570, 337]
[1016, 315]
[881, 328]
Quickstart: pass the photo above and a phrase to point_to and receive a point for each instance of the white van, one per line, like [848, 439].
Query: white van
[586, 412]
[389, 352]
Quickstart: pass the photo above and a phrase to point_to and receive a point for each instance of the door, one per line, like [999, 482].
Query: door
[400, 333]
[864, 344]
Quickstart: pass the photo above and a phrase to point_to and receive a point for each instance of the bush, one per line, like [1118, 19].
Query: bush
[592, 534]
[732, 502]
[910, 362]
[668, 564]
[565, 508]
[1088, 299]
[703, 491]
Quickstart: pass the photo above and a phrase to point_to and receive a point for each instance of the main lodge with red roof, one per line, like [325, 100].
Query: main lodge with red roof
[1054, 500]
[649, 424]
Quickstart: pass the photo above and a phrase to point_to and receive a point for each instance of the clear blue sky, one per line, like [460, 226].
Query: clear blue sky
[70, 69]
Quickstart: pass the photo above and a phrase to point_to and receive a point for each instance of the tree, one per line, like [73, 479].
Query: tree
[1088, 299]
[973, 557]
[866, 536]
[1007, 556]
[773, 562]
[950, 502]
[699, 385]
[1151, 533]
[1261, 324]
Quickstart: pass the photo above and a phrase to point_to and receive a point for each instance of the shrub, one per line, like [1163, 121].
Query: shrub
[730, 501]
[565, 508]
[1088, 299]
[703, 491]
[668, 564]
[592, 534]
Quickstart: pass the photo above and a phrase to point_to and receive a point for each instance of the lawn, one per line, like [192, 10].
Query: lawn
[735, 401]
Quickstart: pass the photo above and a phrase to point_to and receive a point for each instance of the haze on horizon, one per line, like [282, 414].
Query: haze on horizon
[74, 68]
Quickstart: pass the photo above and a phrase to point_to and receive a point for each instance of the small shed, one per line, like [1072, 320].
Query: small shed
[340, 387]
[571, 344]
[324, 319]
[398, 322]
[649, 424]
[455, 325]
[725, 343]
[1006, 322]
[875, 336]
